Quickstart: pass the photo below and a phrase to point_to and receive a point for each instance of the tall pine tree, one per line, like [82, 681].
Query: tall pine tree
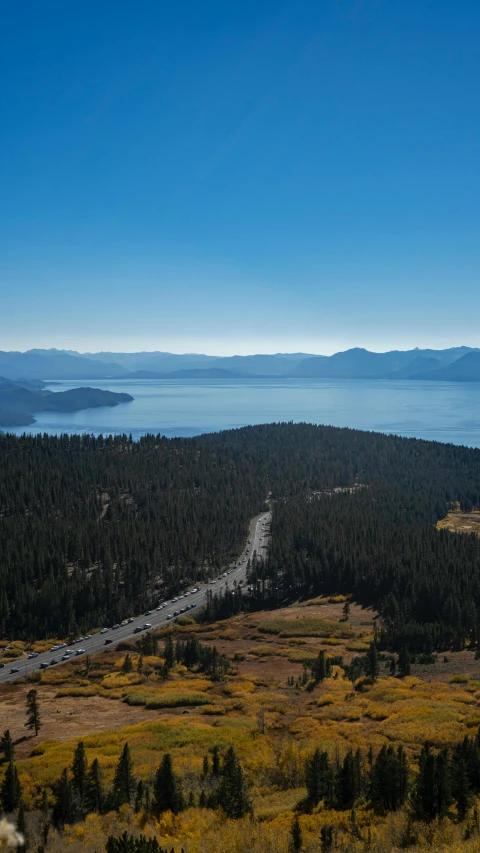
[167, 789]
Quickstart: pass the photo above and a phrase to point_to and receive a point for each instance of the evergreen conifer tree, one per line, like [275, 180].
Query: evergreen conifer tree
[6, 746]
[139, 797]
[127, 665]
[22, 826]
[372, 666]
[124, 780]
[95, 796]
[10, 791]
[319, 667]
[404, 662]
[64, 807]
[425, 795]
[33, 711]
[326, 838]
[232, 793]
[319, 779]
[215, 761]
[167, 789]
[169, 651]
[388, 780]
[296, 835]
[79, 770]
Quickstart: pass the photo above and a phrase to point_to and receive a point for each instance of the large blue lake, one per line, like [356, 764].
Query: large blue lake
[442, 411]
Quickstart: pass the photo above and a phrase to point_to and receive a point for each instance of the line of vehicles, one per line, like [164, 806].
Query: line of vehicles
[66, 652]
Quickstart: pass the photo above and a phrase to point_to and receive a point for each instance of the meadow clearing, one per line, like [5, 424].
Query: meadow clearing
[267, 708]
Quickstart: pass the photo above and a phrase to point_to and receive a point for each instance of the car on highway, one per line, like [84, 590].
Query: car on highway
[147, 625]
[124, 622]
[130, 620]
[53, 660]
[114, 627]
[33, 655]
[148, 613]
[169, 615]
[107, 642]
[14, 669]
[54, 648]
[44, 665]
[2, 665]
[80, 652]
[104, 630]
[137, 629]
[65, 657]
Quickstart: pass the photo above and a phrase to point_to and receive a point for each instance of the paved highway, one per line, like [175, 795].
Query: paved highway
[257, 541]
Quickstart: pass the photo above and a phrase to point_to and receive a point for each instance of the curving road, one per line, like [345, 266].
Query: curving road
[257, 541]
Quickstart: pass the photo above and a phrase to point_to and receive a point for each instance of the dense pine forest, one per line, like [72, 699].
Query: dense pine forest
[90, 527]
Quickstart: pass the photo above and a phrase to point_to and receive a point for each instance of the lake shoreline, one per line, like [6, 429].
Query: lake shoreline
[448, 412]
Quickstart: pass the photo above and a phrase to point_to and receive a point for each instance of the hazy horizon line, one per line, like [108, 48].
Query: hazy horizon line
[327, 351]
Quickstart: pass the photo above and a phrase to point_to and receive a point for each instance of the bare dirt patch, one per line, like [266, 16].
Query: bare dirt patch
[461, 522]
[64, 718]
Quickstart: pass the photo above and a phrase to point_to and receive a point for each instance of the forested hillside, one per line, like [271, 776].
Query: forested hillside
[89, 526]
[377, 541]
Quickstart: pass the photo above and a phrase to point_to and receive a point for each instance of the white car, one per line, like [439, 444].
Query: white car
[80, 652]
[169, 615]
[104, 630]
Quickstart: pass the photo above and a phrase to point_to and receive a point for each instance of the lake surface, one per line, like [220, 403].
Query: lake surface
[440, 411]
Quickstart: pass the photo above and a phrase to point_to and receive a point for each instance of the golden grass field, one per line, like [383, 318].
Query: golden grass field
[272, 726]
[461, 522]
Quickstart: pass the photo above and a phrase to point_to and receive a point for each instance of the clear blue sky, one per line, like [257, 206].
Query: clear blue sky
[245, 176]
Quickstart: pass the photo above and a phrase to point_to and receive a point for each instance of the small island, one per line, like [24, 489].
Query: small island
[20, 400]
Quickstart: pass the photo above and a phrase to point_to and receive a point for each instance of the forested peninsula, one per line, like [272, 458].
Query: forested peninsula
[19, 400]
[91, 527]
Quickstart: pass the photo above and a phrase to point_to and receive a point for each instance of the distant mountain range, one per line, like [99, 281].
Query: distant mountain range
[20, 400]
[458, 364]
